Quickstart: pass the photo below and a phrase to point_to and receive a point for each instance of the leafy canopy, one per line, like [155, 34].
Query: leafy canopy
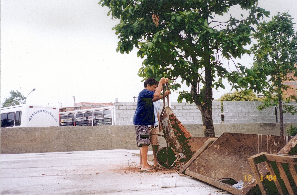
[244, 95]
[16, 98]
[275, 58]
[184, 38]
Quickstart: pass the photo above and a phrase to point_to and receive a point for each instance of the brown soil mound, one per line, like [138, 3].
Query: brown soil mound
[136, 169]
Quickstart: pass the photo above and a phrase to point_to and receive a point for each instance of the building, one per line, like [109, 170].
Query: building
[84, 105]
[89, 105]
[292, 82]
[67, 109]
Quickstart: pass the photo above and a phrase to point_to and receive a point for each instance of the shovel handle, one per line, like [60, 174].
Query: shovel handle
[167, 88]
[163, 96]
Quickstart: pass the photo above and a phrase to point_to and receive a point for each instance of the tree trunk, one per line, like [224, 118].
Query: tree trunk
[205, 107]
[203, 98]
[208, 127]
[206, 110]
[280, 106]
[281, 115]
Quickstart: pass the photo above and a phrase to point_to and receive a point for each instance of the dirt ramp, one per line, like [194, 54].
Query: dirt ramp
[225, 162]
[197, 142]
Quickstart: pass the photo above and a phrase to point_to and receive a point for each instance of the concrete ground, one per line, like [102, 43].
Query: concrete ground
[92, 172]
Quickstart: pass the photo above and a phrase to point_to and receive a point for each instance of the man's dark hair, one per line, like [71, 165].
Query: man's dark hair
[150, 81]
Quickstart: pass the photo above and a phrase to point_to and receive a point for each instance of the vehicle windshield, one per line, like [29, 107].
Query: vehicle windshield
[107, 111]
[3, 116]
[79, 115]
[7, 119]
[88, 114]
[97, 113]
[63, 117]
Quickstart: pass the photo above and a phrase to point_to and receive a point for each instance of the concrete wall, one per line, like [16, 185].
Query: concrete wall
[62, 139]
[247, 112]
[186, 113]
[234, 112]
[190, 114]
[124, 112]
[58, 139]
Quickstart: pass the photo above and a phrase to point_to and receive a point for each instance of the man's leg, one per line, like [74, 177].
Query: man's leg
[144, 150]
[155, 143]
[155, 150]
[143, 141]
[140, 164]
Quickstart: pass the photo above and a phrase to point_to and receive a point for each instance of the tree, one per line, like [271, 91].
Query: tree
[184, 39]
[244, 95]
[275, 56]
[16, 98]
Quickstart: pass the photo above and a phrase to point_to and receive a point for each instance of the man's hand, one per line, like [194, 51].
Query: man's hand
[164, 80]
[167, 92]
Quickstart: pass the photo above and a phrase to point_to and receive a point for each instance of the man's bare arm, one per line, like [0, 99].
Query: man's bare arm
[161, 96]
[160, 87]
[157, 98]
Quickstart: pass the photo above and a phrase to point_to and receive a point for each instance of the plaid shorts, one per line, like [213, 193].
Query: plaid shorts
[142, 135]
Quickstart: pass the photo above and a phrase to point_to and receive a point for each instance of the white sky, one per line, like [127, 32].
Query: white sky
[67, 48]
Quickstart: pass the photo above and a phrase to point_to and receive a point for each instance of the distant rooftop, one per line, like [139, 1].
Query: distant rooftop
[84, 105]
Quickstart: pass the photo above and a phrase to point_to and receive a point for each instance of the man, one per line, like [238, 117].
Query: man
[144, 116]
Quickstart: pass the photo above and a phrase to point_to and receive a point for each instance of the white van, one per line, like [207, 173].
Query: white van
[29, 116]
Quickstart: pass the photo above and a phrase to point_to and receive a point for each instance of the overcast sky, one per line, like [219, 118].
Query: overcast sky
[66, 48]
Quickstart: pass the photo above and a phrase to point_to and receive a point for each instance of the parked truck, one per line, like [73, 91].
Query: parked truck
[67, 119]
[88, 117]
[29, 116]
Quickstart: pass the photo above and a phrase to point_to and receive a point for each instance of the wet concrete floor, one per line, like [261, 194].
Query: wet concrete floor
[92, 172]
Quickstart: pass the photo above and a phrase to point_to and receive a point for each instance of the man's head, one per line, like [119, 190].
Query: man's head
[151, 84]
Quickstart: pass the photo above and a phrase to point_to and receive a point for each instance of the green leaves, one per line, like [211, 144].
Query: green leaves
[274, 57]
[185, 95]
[290, 109]
[275, 53]
[244, 95]
[16, 98]
[205, 23]
[185, 40]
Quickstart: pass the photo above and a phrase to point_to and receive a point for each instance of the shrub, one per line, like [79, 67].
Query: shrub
[292, 131]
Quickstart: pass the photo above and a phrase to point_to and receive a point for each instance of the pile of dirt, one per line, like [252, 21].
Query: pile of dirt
[136, 169]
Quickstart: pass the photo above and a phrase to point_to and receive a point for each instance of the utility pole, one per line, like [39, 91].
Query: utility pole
[29, 94]
[134, 98]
